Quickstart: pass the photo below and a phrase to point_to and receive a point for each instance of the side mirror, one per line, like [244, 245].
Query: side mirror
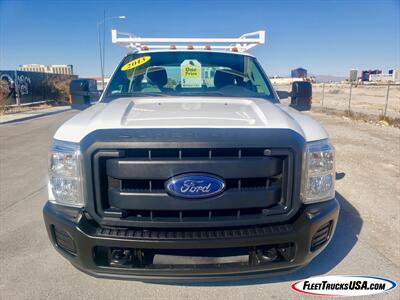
[283, 94]
[82, 93]
[79, 85]
[301, 96]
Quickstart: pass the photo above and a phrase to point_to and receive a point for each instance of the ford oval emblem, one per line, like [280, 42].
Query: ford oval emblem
[195, 186]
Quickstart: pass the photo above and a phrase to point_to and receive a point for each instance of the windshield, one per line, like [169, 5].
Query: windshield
[189, 73]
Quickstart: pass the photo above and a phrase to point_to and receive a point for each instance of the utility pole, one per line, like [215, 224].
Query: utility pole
[102, 44]
[104, 47]
[101, 52]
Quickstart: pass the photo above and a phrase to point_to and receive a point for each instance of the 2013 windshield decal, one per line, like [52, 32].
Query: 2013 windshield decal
[136, 63]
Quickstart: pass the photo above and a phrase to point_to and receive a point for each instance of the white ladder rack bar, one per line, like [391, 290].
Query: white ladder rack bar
[243, 43]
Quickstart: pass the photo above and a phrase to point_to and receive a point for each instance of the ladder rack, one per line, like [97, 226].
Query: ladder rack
[241, 44]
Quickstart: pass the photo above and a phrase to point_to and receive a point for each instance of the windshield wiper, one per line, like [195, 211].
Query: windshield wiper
[147, 94]
[243, 94]
[151, 94]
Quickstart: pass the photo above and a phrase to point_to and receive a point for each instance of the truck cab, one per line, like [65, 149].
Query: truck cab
[190, 168]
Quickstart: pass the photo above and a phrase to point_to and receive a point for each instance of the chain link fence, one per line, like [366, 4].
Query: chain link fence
[377, 100]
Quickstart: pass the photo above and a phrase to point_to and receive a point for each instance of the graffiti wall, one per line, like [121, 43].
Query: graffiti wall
[30, 87]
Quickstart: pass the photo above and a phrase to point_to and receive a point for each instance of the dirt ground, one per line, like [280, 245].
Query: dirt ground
[20, 109]
[368, 158]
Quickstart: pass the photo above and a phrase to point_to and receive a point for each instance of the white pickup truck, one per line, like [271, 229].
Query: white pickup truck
[190, 168]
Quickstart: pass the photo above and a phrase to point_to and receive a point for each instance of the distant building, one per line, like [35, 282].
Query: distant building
[353, 75]
[381, 78]
[393, 76]
[396, 75]
[55, 69]
[298, 73]
[365, 74]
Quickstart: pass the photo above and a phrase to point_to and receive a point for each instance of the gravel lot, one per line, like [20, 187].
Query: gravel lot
[366, 241]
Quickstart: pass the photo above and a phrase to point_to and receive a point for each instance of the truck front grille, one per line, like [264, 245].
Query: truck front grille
[129, 186]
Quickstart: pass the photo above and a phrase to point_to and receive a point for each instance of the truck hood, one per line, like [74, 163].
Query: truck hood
[188, 112]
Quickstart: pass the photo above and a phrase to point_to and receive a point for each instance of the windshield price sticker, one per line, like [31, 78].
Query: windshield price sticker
[135, 63]
[191, 74]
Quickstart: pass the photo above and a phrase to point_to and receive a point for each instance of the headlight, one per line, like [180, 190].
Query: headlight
[318, 180]
[65, 176]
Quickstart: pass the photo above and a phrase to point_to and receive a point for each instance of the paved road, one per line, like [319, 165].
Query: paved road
[366, 241]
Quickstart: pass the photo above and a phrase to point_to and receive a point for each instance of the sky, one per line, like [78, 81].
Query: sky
[325, 37]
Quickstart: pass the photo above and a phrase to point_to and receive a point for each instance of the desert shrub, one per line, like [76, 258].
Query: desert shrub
[58, 88]
[334, 91]
[4, 92]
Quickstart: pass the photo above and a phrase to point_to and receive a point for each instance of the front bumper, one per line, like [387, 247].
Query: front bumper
[79, 239]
